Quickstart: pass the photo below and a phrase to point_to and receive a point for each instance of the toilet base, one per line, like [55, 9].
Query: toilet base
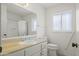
[52, 53]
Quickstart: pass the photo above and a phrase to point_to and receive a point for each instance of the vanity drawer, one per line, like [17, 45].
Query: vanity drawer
[31, 50]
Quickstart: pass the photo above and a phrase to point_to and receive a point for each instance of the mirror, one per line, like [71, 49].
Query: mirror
[20, 22]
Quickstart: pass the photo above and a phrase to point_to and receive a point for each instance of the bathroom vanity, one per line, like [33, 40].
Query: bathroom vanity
[17, 21]
[25, 48]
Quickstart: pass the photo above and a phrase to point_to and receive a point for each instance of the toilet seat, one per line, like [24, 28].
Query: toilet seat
[52, 46]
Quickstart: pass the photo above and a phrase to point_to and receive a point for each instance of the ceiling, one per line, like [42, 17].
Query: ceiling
[46, 5]
[18, 10]
[21, 11]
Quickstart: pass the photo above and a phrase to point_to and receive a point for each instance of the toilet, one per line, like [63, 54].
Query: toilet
[52, 49]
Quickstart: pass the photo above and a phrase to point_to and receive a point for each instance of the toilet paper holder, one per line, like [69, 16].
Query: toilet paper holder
[75, 45]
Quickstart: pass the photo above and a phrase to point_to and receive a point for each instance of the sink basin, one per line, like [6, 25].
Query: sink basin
[28, 42]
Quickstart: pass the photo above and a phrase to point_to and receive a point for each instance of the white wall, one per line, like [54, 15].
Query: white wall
[77, 17]
[77, 28]
[0, 25]
[61, 39]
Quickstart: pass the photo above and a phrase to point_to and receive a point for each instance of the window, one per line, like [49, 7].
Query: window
[62, 22]
[57, 23]
[66, 22]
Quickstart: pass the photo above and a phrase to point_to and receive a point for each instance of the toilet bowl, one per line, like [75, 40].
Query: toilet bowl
[52, 49]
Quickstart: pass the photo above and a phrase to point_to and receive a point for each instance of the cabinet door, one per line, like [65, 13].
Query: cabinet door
[18, 53]
[44, 49]
[44, 52]
[32, 50]
[37, 53]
